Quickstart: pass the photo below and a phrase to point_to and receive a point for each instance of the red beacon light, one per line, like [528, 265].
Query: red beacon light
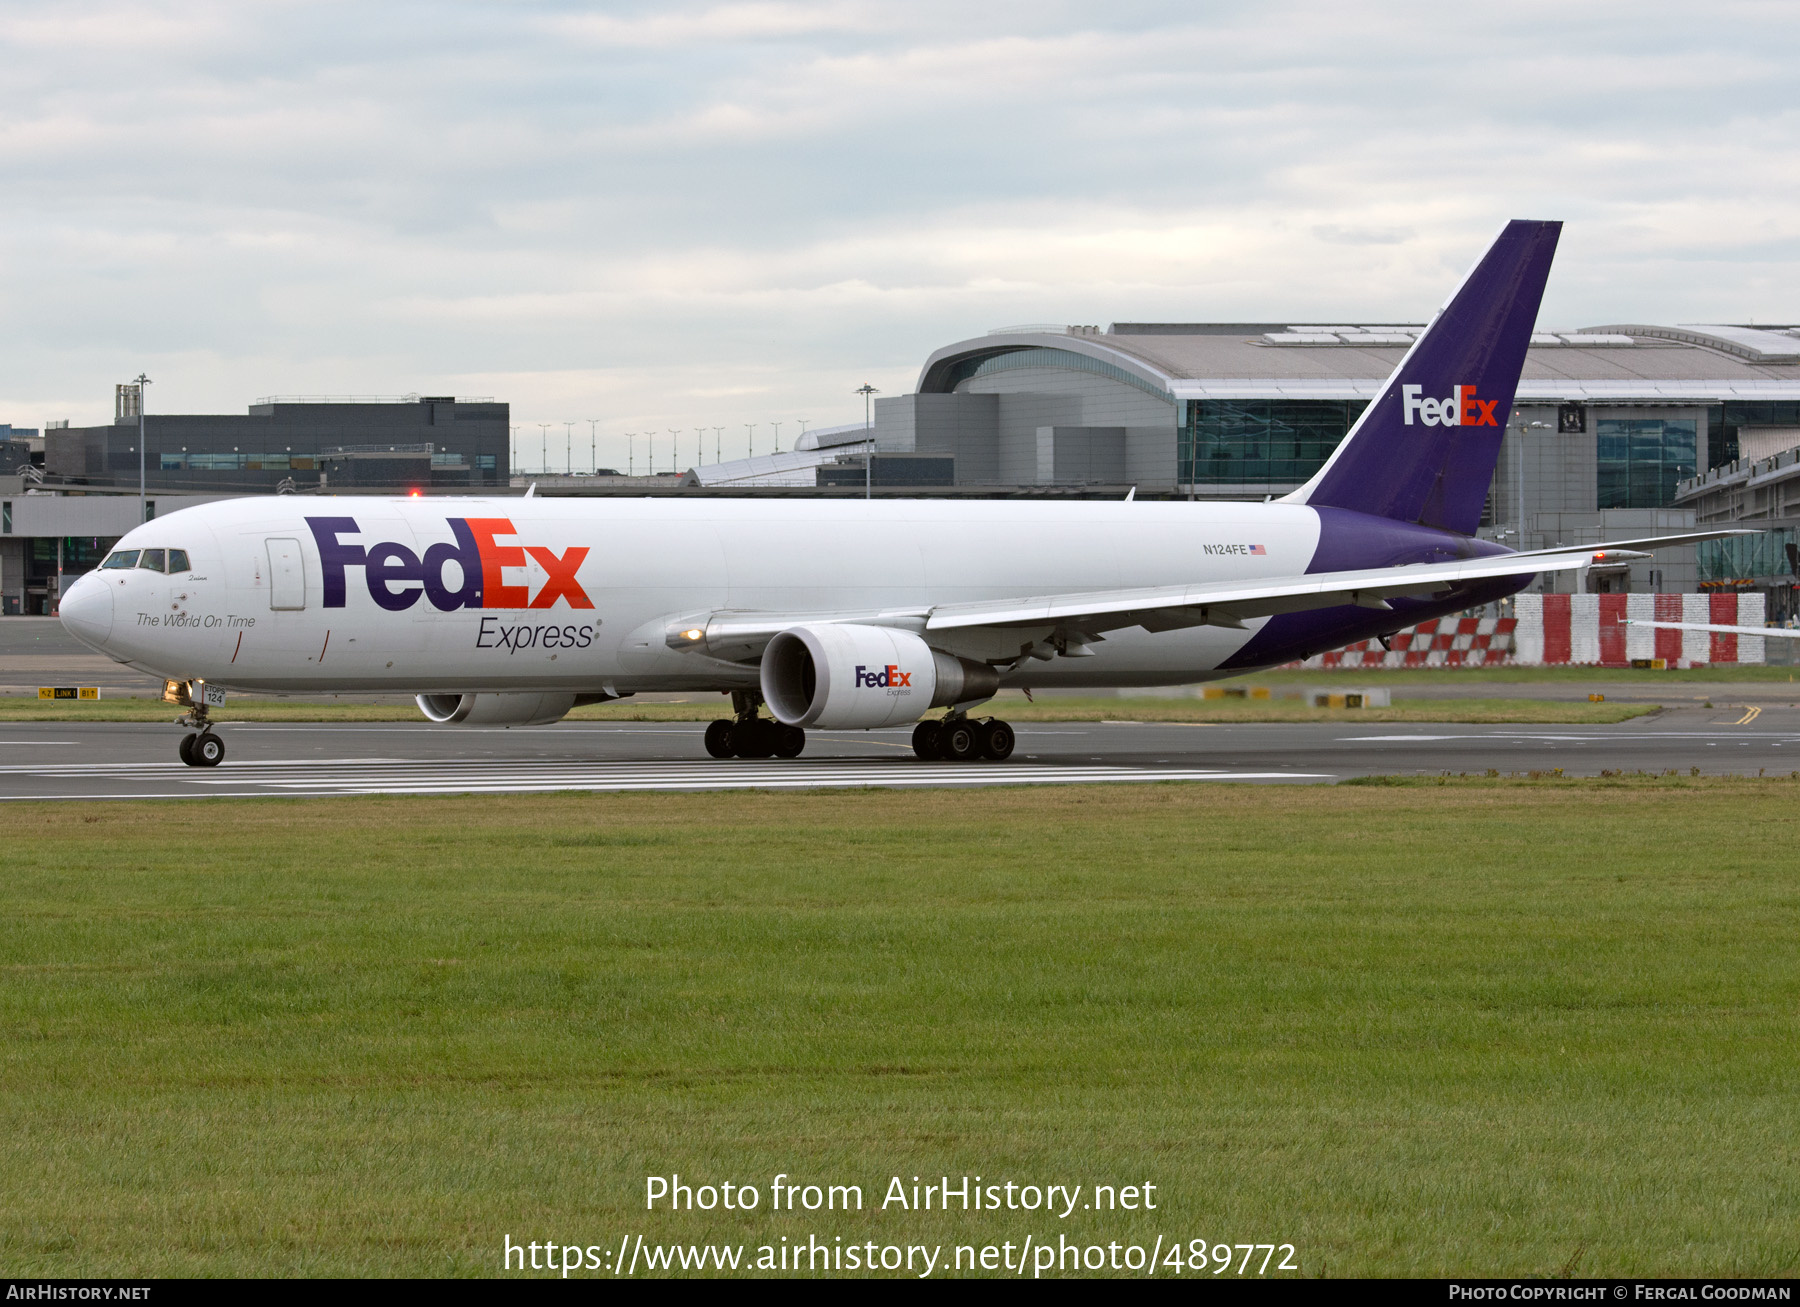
[414, 494]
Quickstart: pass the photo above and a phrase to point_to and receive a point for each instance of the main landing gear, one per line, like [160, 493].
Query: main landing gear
[203, 748]
[957, 739]
[748, 736]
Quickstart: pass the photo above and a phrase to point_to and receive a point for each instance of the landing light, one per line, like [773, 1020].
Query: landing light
[693, 633]
[414, 495]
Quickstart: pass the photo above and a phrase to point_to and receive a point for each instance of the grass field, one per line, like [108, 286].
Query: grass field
[1455, 1027]
[1012, 707]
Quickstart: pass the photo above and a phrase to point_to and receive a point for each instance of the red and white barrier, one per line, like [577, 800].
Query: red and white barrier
[1590, 629]
[1448, 642]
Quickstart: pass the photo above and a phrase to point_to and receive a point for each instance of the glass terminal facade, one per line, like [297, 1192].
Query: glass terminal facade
[1256, 441]
[1639, 460]
[1016, 359]
[1723, 421]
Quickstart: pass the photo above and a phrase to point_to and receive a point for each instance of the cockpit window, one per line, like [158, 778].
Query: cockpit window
[121, 558]
[152, 559]
[178, 560]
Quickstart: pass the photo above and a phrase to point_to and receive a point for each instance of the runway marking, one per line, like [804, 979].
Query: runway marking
[138, 768]
[298, 777]
[692, 731]
[1748, 717]
[1400, 739]
[1628, 737]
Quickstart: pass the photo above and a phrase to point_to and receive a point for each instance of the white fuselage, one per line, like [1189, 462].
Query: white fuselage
[252, 615]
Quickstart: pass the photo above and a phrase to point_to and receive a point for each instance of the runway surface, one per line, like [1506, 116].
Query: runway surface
[37, 651]
[72, 761]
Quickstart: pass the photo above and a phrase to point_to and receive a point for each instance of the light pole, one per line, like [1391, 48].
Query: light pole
[143, 504]
[1521, 426]
[868, 393]
[777, 427]
[593, 447]
[674, 448]
[543, 448]
[512, 452]
[718, 444]
[802, 422]
[568, 449]
[699, 446]
[631, 453]
[751, 428]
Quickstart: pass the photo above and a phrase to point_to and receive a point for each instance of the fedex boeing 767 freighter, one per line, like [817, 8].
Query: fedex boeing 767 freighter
[844, 614]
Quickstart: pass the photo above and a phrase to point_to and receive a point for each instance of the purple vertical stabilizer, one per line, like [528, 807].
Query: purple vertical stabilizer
[1425, 450]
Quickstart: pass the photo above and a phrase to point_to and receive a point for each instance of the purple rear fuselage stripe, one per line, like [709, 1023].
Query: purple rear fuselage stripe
[1351, 541]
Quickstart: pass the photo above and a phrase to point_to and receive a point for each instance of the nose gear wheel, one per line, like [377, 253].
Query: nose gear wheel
[202, 750]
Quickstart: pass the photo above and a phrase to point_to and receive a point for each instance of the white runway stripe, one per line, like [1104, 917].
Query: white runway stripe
[297, 777]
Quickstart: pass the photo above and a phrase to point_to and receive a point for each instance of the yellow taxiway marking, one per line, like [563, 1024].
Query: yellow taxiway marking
[1748, 717]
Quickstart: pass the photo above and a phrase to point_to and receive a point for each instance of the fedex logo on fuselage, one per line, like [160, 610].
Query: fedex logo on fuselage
[1461, 409]
[396, 576]
[888, 677]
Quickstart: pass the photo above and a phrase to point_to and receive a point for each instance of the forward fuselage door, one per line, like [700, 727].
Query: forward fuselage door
[287, 575]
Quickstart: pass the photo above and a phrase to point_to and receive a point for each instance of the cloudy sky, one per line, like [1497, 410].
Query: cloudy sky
[677, 215]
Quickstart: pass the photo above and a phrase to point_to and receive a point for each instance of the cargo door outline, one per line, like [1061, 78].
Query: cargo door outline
[287, 575]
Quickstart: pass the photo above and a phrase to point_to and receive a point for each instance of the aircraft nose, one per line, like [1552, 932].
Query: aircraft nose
[87, 611]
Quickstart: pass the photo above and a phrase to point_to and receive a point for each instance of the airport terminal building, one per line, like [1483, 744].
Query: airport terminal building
[1619, 431]
[1610, 420]
[68, 492]
[346, 444]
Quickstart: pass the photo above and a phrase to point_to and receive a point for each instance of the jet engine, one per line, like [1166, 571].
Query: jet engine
[844, 677]
[500, 709]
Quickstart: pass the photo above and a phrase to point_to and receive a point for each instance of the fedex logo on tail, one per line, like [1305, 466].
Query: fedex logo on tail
[396, 576]
[888, 677]
[1459, 409]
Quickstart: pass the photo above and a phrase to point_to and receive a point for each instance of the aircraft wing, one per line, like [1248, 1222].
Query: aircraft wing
[1228, 603]
[740, 635]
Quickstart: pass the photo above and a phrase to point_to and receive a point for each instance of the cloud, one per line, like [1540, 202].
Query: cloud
[724, 24]
[678, 214]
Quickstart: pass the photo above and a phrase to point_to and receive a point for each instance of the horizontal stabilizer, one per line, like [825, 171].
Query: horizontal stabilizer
[1779, 632]
[1647, 542]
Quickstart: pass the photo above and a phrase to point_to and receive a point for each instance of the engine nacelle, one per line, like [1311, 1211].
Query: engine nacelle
[845, 677]
[526, 709]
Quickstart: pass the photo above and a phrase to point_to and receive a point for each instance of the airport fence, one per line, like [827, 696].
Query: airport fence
[1561, 630]
[1591, 629]
[1447, 642]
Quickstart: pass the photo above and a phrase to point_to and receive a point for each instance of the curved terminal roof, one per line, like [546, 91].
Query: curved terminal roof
[1242, 360]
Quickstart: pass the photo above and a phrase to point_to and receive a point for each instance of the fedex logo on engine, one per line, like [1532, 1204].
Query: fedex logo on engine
[1460, 409]
[396, 576]
[888, 677]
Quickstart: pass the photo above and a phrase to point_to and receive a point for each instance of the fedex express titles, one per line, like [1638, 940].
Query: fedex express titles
[889, 678]
[396, 577]
[1460, 409]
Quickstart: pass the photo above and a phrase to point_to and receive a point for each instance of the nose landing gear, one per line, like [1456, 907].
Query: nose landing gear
[749, 736]
[957, 739]
[203, 748]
